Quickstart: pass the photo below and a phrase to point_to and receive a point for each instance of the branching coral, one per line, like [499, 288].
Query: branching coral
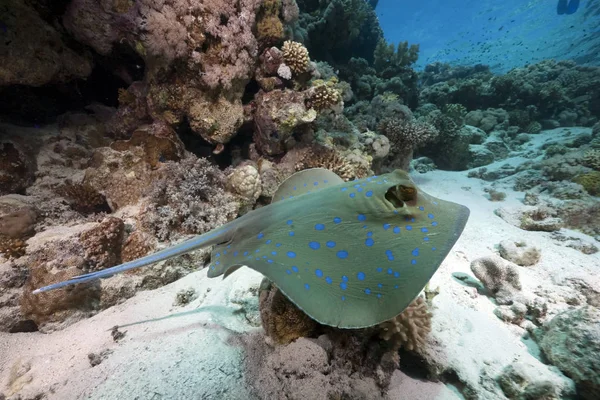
[409, 329]
[295, 56]
[407, 134]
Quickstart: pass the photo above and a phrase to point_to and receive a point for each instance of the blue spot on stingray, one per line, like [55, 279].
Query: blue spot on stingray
[217, 255]
[289, 222]
[294, 187]
[389, 255]
[295, 269]
[415, 252]
[395, 286]
[212, 267]
[270, 261]
[435, 203]
[325, 181]
[434, 223]
[291, 254]
[235, 253]
[344, 278]
[305, 185]
[389, 271]
[361, 217]
[291, 233]
[344, 297]
[319, 273]
[224, 252]
[343, 285]
[433, 248]
[369, 234]
[378, 295]
[379, 285]
[337, 220]
[315, 183]
[344, 189]
[218, 262]
[264, 256]
[228, 246]
[330, 244]
[257, 250]
[319, 227]
[369, 242]
[379, 269]
[430, 216]
[426, 239]
[278, 245]
[386, 226]
[287, 271]
[357, 185]
[359, 189]
[369, 193]
[422, 208]
[342, 254]
[352, 195]
[306, 286]
[413, 262]
[260, 235]
[396, 274]
[274, 253]
[396, 229]
[424, 230]
[364, 227]
[268, 241]
[245, 253]
[314, 245]
[408, 228]
[367, 291]
[360, 276]
[328, 280]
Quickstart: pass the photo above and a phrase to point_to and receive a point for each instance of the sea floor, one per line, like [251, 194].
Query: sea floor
[195, 351]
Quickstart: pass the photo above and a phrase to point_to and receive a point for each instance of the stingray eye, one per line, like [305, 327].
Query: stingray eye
[407, 193]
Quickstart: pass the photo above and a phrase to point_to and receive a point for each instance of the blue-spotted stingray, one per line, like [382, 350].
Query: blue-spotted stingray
[349, 254]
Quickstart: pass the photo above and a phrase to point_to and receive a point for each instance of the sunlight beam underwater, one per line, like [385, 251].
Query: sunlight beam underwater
[349, 254]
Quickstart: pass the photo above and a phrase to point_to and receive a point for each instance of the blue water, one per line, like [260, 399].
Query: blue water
[503, 34]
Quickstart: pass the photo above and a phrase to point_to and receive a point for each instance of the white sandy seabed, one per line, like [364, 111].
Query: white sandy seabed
[186, 352]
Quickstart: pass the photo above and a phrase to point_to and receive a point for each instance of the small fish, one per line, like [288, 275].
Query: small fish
[349, 254]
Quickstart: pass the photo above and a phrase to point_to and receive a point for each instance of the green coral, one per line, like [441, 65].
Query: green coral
[590, 182]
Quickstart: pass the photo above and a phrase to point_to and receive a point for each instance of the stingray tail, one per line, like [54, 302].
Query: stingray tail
[213, 237]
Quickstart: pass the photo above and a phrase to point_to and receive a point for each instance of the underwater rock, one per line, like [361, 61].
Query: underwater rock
[17, 216]
[513, 313]
[342, 364]
[282, 321]
[17, 167]
[278, 114]
[479, 156]
[523, 381]
[519, 252]
[531, 218]
[571, 341]
[34, 52]
[54, 255]
[497, 147]
[499, 276]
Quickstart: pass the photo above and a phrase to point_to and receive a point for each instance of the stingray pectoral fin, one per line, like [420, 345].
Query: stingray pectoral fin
[213, 237]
